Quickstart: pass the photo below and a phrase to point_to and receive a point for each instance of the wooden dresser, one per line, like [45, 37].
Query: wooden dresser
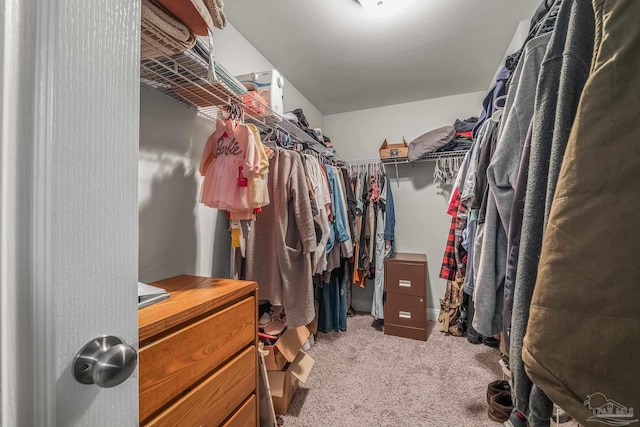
[405, 310]
[198, 360]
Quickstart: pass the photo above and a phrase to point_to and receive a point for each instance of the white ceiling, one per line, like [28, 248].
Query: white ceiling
[345, 58]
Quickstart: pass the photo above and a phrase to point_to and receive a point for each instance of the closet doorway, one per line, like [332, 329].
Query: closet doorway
[70, 113]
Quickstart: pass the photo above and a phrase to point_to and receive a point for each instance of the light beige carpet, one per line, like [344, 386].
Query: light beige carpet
[365, 378]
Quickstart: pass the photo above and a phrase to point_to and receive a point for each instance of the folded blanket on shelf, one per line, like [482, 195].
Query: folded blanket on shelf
[215, 9]
[162, 33]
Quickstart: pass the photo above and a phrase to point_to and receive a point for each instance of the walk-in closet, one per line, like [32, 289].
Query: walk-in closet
[407, 213]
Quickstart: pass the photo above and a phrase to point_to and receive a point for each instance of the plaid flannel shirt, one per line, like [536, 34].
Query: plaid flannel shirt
[449, 262]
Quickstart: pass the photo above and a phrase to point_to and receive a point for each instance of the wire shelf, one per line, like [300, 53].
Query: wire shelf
[188, 78]
[370, 161]
[428, 158]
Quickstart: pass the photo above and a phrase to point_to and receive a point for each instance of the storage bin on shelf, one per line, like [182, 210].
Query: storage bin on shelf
[394, 151]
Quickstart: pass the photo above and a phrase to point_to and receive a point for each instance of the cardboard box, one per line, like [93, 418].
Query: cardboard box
[393, 151]
[286, 348]
[287, 351]
[274, 360]
[284, 384]
[283, 388]
[291, 341]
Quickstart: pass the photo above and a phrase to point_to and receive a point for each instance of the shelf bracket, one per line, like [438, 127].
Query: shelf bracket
[397, 177]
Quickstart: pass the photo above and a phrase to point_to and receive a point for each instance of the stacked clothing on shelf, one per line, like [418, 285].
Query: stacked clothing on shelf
[445, 139]
[463, 136]
[298, 118]
[170, 27]
[532, 207]
[162, 34]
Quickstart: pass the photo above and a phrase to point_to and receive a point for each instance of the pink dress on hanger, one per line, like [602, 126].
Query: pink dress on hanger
[229, 160]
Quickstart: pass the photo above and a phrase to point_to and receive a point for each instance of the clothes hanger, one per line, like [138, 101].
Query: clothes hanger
[438, 173]
[549, 21]
[498, 109]
[500, 102]
[269, 134]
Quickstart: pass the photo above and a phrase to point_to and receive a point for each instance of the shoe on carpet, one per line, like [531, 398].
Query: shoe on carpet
[307, 344]
[505, 370]
[491, 342]
[497, 387]
[500, 407]
[516, 419]
[473, 337]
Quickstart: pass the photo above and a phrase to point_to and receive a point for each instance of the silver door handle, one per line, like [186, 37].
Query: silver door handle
[105, 361]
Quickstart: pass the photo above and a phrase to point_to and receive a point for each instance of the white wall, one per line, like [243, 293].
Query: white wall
[238, 56]
[519, 37]
[422, 223]
[178, 235]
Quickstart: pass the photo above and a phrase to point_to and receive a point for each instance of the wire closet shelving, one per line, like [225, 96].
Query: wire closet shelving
[438, 157]
[208, 88]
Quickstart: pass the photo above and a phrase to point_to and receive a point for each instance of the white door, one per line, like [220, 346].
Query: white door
[70, 112]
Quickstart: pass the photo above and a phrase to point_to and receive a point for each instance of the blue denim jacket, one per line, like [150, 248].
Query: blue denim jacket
[340, 219]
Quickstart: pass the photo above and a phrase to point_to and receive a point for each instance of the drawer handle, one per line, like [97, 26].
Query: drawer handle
[405, 314]
[404, 283]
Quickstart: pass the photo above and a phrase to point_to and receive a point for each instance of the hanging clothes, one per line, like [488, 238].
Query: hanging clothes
[321, 219]
[498, 90]
[501, 177]
[562, 78]
[333, 300]
[389, 219]
[280, 246]
[351, 202]
[385, 216]
[258, 191]
[346, 247]
[466, 198]
[592, 214]
[363, 262]
[229, 160]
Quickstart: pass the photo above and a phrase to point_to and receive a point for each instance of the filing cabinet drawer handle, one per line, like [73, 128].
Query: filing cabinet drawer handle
[404, 314]
[404, 283]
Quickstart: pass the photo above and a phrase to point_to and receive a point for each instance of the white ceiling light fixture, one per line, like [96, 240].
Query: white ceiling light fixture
[371, 4]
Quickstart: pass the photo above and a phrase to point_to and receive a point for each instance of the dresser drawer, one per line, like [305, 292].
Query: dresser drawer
[211, 403]
[245, 416]
[406, 310]
[171, 365]
[405, 278]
